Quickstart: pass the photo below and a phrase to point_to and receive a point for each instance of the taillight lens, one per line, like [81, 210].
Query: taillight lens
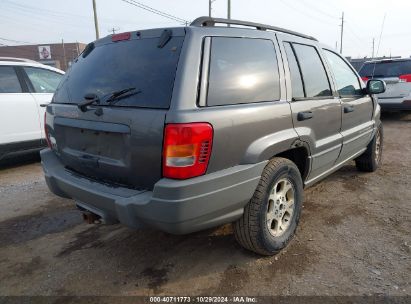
[365, 79]
[405, 78]
[46, 131]
[187, 149]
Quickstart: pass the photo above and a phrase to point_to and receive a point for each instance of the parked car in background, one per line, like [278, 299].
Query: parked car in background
[397, 75]
[183, 129]
[25, 85]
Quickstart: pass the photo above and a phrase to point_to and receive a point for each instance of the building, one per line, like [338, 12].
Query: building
[58, 55]
[357, 63]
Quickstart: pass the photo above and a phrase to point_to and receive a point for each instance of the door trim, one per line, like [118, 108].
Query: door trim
[333, 169]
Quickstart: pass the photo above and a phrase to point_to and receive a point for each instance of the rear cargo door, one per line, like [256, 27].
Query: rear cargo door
[117, 139]
[122, 146]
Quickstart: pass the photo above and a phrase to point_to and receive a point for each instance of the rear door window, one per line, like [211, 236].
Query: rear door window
[386, 69]
[315, 79]
[297, 85]
[242, 70]
[9, 83]
[115, 66]
[43, 81]
[348, 83]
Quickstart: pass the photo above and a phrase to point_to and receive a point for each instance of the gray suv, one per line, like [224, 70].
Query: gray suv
[183, 129]
[396, 73]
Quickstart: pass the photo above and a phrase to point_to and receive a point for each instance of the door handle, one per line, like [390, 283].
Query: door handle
[304, 115]
[348, 109]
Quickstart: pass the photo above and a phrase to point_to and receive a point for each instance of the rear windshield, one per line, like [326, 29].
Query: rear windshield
[138, 63]
[386, 69]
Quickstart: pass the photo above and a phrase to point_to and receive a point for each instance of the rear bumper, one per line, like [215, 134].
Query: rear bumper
[394, 104]
[173, 206]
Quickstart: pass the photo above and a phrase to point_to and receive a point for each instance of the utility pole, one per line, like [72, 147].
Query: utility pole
[210, 7]
[228, 11]
[95, 19]
[64, 54]
[373, 47]
[342, 33]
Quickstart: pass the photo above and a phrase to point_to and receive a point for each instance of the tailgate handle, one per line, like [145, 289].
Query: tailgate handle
[89, 161]
[348, 109]
[304, 115]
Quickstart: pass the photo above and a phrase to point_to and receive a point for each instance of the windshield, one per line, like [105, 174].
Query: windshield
[386, 69]
[111, 67]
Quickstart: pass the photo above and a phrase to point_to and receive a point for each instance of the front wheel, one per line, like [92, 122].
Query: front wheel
[370, 160]
[271, 217]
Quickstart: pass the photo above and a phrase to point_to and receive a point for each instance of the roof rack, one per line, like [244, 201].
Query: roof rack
[387, 59]
[17, 59]
[208, 21]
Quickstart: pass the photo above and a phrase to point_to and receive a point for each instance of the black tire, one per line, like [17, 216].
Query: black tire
[251, 230]
[370, 160]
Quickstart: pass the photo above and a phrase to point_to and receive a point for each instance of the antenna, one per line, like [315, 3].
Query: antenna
[114, 30]
[379, 43]
[342, 32]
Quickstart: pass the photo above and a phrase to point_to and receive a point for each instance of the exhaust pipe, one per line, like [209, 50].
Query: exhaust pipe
[94, 216]
[91, 218]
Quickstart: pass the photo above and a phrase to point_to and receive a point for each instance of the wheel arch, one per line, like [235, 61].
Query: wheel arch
[300, 156]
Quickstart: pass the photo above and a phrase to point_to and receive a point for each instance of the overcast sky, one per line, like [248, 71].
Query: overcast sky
[48, 21]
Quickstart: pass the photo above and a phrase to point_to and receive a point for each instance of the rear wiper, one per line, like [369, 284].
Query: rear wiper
[117, 95]
[92, 98]
[89, 99]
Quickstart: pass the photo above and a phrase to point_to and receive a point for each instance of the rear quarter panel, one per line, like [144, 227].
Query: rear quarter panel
[243, 133]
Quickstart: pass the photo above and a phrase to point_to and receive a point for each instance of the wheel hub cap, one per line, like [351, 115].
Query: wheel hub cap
[280, 207]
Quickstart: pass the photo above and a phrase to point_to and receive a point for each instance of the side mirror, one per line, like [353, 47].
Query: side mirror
[375, 86]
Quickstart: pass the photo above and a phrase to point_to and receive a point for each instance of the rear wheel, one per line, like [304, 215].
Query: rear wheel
[371, 159]
[271, 217]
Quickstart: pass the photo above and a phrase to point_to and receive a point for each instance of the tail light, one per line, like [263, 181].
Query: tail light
[405, 78]
[187, 149]
[365, 79]
[46, 132]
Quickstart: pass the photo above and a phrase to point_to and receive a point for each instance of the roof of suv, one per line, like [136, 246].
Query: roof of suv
[206, 23]
[27, 62]
[210, 22]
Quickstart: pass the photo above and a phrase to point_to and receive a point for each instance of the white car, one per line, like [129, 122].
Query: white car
[25, 85]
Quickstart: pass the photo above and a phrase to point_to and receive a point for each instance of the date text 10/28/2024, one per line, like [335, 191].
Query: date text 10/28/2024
[203, 299]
